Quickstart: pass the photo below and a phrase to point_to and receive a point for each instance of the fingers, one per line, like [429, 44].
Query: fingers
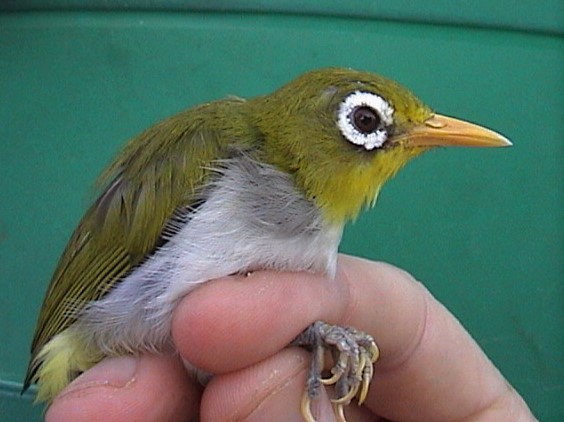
[430, 368]
[148, 389]
[258, 391]
[214, 326]
[232, 323]
[268, 391]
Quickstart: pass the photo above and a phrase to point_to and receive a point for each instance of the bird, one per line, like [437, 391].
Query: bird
[230, 187]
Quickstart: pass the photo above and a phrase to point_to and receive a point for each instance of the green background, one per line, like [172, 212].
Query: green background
[482, 228]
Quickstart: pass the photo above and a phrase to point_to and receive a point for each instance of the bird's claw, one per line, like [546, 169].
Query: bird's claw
[354, 354]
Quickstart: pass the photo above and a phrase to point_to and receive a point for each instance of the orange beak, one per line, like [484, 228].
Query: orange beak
[441, 130]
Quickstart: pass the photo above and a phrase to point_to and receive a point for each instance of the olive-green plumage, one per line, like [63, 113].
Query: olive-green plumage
[168, 167]
[156, 173]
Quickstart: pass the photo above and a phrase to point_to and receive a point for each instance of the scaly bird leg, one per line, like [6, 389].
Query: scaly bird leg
[354, 354]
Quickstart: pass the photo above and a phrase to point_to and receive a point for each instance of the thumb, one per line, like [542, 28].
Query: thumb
[146, 388]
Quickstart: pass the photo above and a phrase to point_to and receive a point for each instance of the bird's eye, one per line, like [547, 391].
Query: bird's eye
[364, 119]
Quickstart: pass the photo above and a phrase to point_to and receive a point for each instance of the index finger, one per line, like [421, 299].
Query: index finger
[430, 368]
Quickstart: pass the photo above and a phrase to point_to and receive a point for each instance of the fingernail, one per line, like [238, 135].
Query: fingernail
[112, 372]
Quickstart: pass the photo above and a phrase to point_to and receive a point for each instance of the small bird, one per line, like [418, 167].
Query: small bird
[230, 187]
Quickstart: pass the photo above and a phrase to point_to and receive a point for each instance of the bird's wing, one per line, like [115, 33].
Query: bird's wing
[123, 226]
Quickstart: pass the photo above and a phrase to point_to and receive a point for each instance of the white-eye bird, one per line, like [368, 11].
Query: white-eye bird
[229, 187]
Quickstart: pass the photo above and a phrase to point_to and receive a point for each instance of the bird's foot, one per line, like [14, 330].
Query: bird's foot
[353, 353]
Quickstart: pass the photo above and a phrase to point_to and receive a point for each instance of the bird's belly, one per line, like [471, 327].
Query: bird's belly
[222, 237]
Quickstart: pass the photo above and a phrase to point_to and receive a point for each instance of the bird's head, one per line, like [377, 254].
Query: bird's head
[342, 134]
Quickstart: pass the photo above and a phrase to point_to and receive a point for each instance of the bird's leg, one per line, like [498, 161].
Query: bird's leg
[354, 354]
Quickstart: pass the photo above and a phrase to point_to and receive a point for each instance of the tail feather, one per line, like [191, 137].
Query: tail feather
[60, 361]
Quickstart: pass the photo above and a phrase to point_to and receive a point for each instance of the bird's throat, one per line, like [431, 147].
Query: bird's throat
[353, 186]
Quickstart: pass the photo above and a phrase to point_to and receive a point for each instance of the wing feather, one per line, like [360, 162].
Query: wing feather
[164, 165]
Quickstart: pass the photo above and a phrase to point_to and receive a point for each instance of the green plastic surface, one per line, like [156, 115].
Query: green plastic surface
[482, 228]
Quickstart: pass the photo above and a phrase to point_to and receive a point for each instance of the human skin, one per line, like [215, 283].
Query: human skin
[238, 328]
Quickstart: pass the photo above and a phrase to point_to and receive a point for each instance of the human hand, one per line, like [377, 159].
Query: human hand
[238, 328]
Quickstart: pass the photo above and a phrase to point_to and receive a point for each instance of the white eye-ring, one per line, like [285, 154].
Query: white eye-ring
[364, 118]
